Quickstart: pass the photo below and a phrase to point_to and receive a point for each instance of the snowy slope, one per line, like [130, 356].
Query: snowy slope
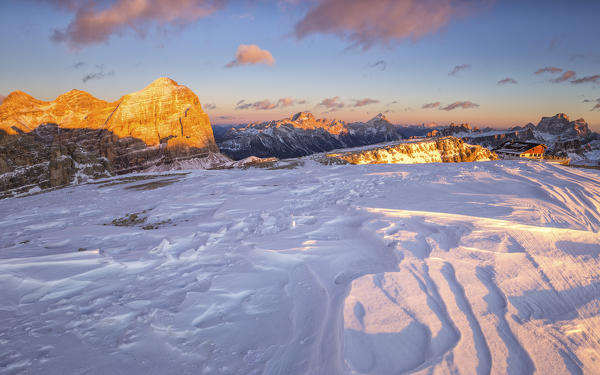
[376, 269]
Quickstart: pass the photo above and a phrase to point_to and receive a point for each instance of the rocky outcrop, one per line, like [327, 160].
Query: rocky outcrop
[48, 157]
[302, 134]
[438, 150]
[76, 136]
[562, 126]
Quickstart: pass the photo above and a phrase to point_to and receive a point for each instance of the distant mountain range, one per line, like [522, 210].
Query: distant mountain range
[302, 134]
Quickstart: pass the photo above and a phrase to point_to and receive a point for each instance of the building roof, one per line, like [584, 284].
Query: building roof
[517, 147]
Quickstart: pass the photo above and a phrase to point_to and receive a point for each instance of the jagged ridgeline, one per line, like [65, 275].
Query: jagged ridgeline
[302, 134]
[76, 136]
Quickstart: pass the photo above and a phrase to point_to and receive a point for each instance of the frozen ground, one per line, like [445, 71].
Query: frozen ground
[464, 268]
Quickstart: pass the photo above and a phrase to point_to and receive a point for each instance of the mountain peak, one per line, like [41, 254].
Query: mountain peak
[378, 118]
[562, 116]
[302, 116]
[162, 82]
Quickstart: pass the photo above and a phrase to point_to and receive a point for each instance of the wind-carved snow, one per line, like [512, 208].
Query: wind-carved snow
[465, 268]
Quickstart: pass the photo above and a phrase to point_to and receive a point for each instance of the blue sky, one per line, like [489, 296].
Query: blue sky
[395, 70]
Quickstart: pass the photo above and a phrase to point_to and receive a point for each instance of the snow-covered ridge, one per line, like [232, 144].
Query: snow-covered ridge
[437, 150]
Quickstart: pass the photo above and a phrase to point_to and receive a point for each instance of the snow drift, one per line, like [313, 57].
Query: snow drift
[464, 268]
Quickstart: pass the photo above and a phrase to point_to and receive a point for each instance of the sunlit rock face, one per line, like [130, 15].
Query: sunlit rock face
[163, 112]
[441, 150]
[76, 136]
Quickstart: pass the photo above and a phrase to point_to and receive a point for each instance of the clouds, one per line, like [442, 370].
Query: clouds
[431, 105]
[587, 79]
[251, 54]
[264, 105]
[209, 106]
[506, 81]
[380, 64]
[94, 23]
[364, 102]
[568, 75]
[548, 69]
[596, 106]
[459, 104]
[366, 23]
[458, 68]
[464, 104]
[98, 74]
[332, 103]
[564, 77]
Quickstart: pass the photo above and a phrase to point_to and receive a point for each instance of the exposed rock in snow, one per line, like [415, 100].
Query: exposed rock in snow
[438, 150]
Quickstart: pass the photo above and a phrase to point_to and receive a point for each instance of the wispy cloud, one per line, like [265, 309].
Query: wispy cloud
[459, 104]
[380, 64]
[548, 69]
[95, 22]
[366, 23]
[266, 104]
[564, 77]
[364, 102]
[431, 105]
[596, 106]
[587, 79]
[507, 80]
[99, 74]
[247, 54]
[332, 103]
[79, 65]
[458, 68]
[209, 106]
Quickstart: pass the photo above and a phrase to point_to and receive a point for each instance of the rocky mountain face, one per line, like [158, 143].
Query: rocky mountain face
[430, 150]
[564, 138]
[48, 144]
[302, 134]
[452, 130]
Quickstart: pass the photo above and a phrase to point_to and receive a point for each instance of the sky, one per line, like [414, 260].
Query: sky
[492, 63]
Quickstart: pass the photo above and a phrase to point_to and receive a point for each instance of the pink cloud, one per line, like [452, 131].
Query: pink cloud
[593, 79]
[507, 80]
[565, 76]
[431, 105]
[364, 102]
[267, 104]
[548, 69]
[366, 22]
[95, 24]
[460, 104]
[332, 103]
[251, 54]
[458, 68]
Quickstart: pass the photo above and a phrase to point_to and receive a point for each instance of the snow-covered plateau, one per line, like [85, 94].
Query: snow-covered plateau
[304, 268]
